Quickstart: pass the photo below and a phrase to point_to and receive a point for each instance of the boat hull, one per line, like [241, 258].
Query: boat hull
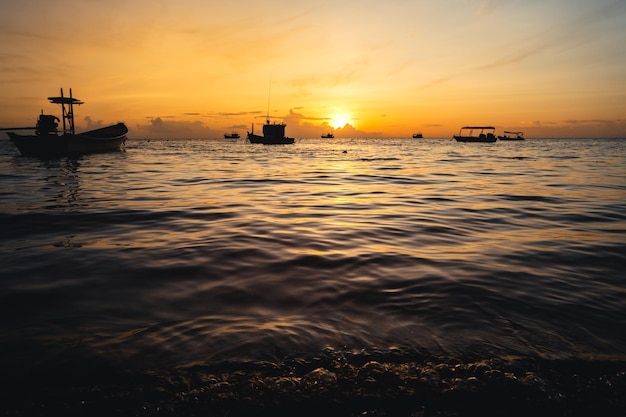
[268, 140]
[487, 139]
[509, 138]
[107, 139]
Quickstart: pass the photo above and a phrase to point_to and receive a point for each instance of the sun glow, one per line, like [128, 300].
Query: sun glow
[337, 121]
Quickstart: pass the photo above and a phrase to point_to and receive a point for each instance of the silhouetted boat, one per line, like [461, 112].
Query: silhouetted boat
[233, 135]
[48, 141]
[417, 136]
[273, 134]
[466, 134]
[517, 136]
[328, 135]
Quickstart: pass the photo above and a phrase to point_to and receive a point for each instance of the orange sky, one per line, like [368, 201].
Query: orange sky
[365, 68]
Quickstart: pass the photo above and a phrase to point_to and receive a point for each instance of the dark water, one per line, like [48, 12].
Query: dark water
[347, 277]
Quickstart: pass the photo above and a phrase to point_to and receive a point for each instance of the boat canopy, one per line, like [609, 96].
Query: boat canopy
[68, 112]
[65, 100]
[482, 129]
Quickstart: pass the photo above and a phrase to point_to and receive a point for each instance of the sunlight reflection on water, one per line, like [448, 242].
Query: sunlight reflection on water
[392, 243]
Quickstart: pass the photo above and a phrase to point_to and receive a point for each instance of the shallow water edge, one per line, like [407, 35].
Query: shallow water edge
[337, 383]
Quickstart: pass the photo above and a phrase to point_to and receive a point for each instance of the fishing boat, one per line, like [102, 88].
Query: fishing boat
[273, 134]
[417, 136]
[466, 134]
[48, 141]
[512, 136]
[233, 135]
[328, 135]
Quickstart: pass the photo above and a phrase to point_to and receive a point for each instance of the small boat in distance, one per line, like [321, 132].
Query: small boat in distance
[233, 135]
[49, 142]
[516, 136]
[417, 136]
[466, 134]
[328, 135]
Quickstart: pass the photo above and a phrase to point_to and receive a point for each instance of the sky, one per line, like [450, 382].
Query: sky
[199, 69]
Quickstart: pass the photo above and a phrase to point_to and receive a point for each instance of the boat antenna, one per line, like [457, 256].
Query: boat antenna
[269, 93]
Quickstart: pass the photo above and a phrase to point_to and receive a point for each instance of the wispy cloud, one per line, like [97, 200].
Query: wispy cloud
[564, 35]
[240, 113]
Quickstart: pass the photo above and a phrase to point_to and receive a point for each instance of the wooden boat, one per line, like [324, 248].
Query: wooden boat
[328, 135]
[273, 134]
[516, 136]
[48, 141]
[233, 135]
[417, 136]
[466, 134]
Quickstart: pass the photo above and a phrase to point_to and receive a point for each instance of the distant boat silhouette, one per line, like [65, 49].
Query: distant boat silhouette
[417, 135]
[328, 135]
[518, 136]
[46, 142]
[233, 135]
[466, 134]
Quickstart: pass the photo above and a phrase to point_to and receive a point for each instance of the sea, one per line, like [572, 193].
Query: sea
[338, 277]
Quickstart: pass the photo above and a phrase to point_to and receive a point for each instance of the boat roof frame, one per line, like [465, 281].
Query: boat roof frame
[68, 112]
[491, 130]
[479, 127]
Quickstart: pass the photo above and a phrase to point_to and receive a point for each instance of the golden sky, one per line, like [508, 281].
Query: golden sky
[196, 68]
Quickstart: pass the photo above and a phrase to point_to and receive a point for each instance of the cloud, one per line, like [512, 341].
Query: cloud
[620, 123]
[240, 113]
[302, 126]
[576, 128]
[488, 6]
[510, 59]
[158, 128]
[334, 79]
[564, 35]
[349, 131]
[297, 116]
[32, 35]
[93, 124]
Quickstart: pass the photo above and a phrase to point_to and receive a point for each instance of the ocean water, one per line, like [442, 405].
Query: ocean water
[346, 276]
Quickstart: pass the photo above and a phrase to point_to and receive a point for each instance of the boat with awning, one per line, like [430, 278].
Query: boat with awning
[476, 134]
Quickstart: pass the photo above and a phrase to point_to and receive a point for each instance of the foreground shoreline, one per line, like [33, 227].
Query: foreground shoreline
[332, 383]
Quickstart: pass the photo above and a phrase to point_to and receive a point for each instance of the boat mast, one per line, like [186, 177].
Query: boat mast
[269, 93]
[69, 116]
[68, 112]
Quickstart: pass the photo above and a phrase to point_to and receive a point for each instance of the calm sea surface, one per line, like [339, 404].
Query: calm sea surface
[193, 277]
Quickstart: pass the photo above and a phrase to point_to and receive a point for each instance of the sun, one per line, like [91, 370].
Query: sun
[337, 121]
